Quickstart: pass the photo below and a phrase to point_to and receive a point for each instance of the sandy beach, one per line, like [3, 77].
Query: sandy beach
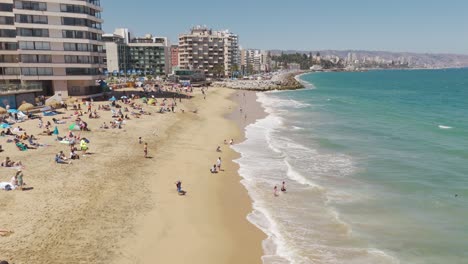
[114, 206]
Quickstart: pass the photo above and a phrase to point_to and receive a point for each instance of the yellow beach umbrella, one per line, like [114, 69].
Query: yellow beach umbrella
[53, 103]
[3, 111]
[25, 107]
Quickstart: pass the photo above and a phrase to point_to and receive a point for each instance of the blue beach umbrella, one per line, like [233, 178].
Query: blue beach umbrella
[112, 99]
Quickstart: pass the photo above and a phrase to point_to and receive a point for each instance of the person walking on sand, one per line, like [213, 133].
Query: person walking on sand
[275, 191]
[283, 187]
[145, 149]
[19, 179]
[218, 163]
[139, 140]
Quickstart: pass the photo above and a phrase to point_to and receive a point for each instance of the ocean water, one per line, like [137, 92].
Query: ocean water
[376, 168]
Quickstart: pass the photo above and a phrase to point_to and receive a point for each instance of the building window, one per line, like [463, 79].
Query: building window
[8, 46]
[6, 7]
[31, 19]
[33, 32]
[29, 5]
[36, 71]
[8, 59]
[6, 21]
[36, 58]
[82, 71]
[7, 33]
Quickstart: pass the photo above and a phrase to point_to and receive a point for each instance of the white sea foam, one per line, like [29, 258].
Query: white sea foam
[445, 127]
[299, 223]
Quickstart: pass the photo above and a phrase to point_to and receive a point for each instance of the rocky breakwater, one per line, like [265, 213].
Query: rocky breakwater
[277, 81]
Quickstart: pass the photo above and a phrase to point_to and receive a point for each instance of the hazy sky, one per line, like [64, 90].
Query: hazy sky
[391, 25]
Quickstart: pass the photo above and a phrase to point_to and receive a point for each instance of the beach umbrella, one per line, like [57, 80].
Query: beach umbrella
[112, 99]
[53, 103]
[3, 111]
[25, 107]
[124, 97]
[13, 111]
[71, 100]
[56, 132]
[151, 101]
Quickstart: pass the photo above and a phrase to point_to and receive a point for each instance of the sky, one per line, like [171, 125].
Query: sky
[426, 26]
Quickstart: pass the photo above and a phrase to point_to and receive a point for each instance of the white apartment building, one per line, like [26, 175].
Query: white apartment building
[214, 52]
[254, 61]
[54, 45]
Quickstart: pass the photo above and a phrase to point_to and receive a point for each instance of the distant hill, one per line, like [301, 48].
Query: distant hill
[425, 60]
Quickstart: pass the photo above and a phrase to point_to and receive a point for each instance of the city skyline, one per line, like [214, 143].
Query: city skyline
[399, 26]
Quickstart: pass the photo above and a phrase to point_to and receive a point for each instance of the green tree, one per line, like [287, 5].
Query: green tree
[218, 70]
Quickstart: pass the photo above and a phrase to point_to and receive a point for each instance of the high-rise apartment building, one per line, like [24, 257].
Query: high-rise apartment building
[174, 56]
[254, 61]
[140, 56]
[51, 45]
[214, 52]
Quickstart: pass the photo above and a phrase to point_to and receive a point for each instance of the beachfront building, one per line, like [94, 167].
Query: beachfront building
[141, 56]
[50, 47]
[150, 55]
[174, 57]
[214, 52]
[255, 61]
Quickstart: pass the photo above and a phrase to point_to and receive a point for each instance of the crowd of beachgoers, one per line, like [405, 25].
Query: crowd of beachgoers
[66, 123]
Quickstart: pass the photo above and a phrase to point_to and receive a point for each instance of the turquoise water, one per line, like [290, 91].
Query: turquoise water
[376, 165]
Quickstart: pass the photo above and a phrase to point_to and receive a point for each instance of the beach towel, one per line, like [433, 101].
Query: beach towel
[6, 186]
[51, 113]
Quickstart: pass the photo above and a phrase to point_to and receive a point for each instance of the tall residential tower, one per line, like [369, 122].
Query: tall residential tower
[51, 45]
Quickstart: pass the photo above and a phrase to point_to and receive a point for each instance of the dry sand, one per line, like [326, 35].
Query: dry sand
[114, 206]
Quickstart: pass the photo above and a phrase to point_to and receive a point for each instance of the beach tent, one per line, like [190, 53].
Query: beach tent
[26, 107]
[74, 127]
[56, 132]
[112, 99]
